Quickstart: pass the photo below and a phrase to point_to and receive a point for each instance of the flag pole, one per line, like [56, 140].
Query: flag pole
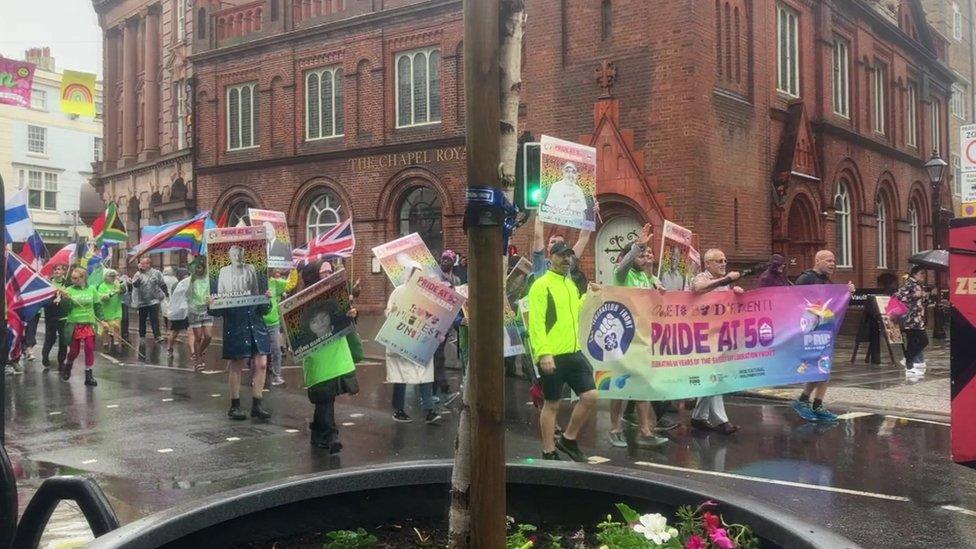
[4, 344]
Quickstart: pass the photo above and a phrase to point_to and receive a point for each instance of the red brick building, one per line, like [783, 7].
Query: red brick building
[762, 125]
[148, 163]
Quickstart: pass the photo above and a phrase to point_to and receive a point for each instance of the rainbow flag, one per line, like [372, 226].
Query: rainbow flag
[185, 235]
[78, 93]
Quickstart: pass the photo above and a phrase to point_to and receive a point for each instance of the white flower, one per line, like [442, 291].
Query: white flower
[655, 528]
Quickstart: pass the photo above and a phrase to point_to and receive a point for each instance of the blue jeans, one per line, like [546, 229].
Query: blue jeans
[426, 395]
[274, 364]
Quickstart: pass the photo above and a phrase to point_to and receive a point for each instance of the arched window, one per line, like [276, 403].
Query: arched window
[842, 224]
[238, 214]
[323, 214]
[913, 226]
[881, 212]
[420, 212]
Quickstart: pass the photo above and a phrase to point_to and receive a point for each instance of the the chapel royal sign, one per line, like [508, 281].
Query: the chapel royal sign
[413, 158]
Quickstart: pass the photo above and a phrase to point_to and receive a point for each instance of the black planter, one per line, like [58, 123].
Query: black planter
[540, 494]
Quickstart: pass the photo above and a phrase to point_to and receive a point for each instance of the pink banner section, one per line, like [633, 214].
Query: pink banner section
[16, 80]
[962, 295]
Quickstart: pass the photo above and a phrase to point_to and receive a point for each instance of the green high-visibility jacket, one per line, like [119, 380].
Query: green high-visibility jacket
[554, 309]
[327, 363]
[85, 305]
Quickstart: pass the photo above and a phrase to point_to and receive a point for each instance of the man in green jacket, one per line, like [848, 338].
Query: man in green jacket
[554, 308]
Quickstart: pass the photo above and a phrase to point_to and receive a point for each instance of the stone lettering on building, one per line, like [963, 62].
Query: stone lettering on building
[413, 158]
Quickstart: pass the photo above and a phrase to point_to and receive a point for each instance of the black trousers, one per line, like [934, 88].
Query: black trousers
[915, 342]
[152, 313]
[323, 425]
[54, 331]
[124, 324]
[30, 331]
[440, 370]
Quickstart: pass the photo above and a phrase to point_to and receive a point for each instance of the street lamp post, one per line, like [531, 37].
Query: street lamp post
[935, 168]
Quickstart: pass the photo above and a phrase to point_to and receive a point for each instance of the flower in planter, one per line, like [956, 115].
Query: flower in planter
[720, 538]
[695, 542]
[655, 528]
[711, 521]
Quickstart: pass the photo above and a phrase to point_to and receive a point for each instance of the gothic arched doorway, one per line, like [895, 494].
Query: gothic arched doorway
[802, 234]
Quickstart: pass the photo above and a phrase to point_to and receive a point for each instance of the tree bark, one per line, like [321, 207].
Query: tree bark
[492, 53]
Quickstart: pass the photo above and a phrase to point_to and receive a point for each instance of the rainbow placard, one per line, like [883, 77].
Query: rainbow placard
[679, 260]
[279, 241]
[648, 345]
[568, 177]
[78, 93]
[16, 81]
[399, 256]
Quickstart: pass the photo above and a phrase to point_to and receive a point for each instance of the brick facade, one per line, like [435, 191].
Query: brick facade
[695, 130]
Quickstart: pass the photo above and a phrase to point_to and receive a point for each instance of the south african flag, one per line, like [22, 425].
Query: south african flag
[108, 227]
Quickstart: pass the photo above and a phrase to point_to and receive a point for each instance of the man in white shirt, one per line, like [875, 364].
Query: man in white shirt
[238, 278]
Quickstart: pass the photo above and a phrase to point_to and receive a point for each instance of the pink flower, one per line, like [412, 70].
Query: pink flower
[721, 538]
[711, 521]
[695, 542]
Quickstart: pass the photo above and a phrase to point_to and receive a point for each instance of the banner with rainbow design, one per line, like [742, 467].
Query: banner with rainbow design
[279, 239]
[78, 93]
[648, 345]
[568, 177]
[398, 257]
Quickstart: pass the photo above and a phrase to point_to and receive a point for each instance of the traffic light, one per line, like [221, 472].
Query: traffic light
[531, 177]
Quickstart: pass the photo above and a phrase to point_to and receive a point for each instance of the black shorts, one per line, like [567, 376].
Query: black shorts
[571, 369]
[179, 325]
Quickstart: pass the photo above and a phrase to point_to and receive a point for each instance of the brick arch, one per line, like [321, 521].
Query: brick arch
[847, 169]
[405, 180]
[306, 193]
[918, 191]
[886, 184]
[614, 205]
[235, 194]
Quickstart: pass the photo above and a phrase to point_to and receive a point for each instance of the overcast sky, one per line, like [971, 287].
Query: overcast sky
[68, 27]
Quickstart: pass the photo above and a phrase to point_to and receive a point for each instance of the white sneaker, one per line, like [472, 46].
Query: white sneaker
[914, 373]
[902, 362]
[920, 366]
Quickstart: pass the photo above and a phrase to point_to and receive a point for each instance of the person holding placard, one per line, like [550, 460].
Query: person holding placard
[246, 340]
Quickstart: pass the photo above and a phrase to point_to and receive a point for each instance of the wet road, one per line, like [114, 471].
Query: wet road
[155, 435]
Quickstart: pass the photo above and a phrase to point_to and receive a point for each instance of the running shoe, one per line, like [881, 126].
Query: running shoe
[277, 380]
[401, 416]
[570, 448]
[432, 417]
[450, 398]
[804, 410]
[666, 424]
[617, 439]
[551, 456]
[652, 441]
[823, 414]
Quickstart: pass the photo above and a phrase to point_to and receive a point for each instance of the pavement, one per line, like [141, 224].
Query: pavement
[154, 434]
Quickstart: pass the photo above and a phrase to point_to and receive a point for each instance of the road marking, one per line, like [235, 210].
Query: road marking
[959, 510]
[167, 400]
[355, 415]
[853, 415]
[348, 424]
[596, 460]
[164, 450]
[111, 405]
[165, 388]
[775, 481]
[54, 413]
[210, 372]
[215, 395]
[921, 420]
[89, 461]
[111, 358]
[291, 430]
[233, 439]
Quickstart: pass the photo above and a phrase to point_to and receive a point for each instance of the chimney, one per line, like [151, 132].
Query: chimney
[40, 57]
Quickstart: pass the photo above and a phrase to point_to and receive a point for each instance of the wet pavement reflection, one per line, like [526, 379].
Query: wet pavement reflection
[154, 434]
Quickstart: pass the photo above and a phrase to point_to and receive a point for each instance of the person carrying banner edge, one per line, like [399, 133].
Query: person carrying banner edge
[554, 309]
[824, 264]
[709, 413]
[636, 259]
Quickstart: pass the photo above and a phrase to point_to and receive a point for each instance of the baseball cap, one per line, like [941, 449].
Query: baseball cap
[560, 248]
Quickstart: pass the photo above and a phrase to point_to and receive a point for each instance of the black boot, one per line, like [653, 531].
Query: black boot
[235, 411]
[319, 438]
[257, 411]
[65, 371]
[90, 378]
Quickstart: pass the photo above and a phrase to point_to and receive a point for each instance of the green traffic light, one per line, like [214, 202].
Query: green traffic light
[535, 196]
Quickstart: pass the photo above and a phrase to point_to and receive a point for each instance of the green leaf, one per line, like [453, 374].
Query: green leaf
[630, 516]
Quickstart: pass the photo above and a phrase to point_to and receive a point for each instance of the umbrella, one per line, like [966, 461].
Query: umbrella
[932, 259]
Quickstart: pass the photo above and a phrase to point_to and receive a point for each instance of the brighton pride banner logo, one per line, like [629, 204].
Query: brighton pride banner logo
[78, 93]
[648, 345]
[16, 79]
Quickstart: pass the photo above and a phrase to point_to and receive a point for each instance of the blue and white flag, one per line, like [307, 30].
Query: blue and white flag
[19, 226]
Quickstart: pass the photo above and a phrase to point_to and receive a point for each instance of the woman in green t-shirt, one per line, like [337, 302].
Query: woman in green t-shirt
[84, 316]
[199, 320]
[111, 291]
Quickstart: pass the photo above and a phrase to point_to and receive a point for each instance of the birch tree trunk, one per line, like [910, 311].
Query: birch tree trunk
[511, 22]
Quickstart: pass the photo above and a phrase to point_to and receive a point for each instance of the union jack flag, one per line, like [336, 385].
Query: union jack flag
[337, 242]
[27, 290]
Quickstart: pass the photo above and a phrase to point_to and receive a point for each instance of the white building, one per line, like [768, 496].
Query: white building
[50, 153]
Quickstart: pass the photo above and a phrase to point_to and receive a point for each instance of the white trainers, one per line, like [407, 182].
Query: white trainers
[914, 373]
[902, 362]
[920, 366]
